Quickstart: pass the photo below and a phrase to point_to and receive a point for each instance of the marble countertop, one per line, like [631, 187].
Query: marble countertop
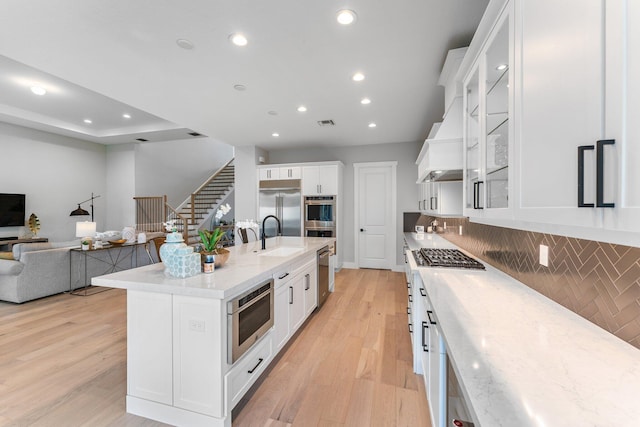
[521, 358]
[246, 265]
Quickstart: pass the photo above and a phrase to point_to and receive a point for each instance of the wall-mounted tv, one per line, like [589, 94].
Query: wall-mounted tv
[11, 210]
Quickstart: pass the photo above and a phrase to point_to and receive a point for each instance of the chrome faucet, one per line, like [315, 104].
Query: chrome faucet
[264, 235]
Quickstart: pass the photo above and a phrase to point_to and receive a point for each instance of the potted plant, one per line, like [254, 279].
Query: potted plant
[209, 241]
[86, 244]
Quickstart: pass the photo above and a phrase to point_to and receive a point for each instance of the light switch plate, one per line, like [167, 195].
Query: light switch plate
[544, 255]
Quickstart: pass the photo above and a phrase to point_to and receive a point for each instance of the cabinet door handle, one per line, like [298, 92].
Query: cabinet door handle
[581, 150]
[251, 371]
[423, 292]
[307, 279]
[290, 295]
[600, 173]
[410, 328]
[283, 276]
[436, 199]
[425, 329]
[431, 203]
[479, 195]
[408, 285]
[410, 298]
[408, 310]
[475, 195]
[429, 313]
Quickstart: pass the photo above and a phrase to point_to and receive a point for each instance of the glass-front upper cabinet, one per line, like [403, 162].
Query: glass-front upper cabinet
[472, 140]
[487, 134]
[497, 120]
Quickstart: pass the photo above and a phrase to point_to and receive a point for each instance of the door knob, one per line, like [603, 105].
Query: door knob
[362, 230]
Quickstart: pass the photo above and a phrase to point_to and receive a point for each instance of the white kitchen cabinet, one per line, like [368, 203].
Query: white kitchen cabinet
[441, 198]
[279, 172]
[310, 278]
[488, 125]
[622, 110]
[562, 107]
[296, 302]
[320, 180]
[295, 298]
[281, 322]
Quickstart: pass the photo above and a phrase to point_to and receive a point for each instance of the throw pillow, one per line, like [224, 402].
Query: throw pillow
[6, 255]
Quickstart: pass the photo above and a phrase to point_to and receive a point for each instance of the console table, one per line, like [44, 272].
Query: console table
[10, 242]
[105, 260]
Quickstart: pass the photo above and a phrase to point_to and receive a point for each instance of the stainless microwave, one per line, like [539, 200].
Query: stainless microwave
[249, 317]
[319, 212]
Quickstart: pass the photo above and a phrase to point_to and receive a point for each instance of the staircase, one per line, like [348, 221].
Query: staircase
[203, 203]
[194, 213]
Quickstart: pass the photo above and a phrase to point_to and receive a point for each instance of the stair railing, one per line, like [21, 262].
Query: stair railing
[153, 211]
[192, 197]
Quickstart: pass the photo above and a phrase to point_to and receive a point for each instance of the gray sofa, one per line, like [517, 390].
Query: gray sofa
[42, 269]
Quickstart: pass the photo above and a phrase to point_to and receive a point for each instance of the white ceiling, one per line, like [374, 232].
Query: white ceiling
[101, 59]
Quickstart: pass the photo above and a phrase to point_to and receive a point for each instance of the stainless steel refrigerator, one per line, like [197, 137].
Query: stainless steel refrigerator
[283, 199]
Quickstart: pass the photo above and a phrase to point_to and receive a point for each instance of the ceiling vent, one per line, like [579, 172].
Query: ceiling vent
[326, 123]
[195, 134]
[142, 139]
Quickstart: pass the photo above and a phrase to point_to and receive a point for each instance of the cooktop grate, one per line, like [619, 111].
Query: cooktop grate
[430, 257]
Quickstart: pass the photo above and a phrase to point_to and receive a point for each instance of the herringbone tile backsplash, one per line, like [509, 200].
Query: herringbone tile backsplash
[599, 281]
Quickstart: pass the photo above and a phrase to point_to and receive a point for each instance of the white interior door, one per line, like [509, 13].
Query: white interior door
[375, 202]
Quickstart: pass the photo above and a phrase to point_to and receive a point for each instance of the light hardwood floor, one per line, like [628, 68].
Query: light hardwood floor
[63, 363]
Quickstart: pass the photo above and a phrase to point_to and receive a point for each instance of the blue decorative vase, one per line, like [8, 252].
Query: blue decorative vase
[172, 242]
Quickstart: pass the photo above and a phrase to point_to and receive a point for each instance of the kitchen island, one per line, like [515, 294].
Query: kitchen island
[179, 365]
[521, 358]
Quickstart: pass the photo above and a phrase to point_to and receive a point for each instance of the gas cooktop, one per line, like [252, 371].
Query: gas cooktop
[429, 257]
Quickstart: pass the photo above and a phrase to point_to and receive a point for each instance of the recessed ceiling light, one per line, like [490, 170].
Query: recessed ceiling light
[272, 113]
[302, 109]
[346, 16]
[365, 101]
[185, 44]
[501, 67]
[358, 77]
[238, 39]
[126, 116]
[275, 134]
[38, 90]
[240, 88]
[372, 125]
[87, 121]
[438, 172]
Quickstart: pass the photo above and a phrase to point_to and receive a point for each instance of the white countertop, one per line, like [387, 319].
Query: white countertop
[524, 360]
[245, 267]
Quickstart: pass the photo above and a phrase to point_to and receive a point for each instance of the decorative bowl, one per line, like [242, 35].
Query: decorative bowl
[118, 242]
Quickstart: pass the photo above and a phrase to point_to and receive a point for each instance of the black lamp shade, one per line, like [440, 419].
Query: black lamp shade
[79, 212]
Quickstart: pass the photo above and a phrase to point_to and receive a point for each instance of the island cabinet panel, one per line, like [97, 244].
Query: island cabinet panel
[296, 302]
[149, 346]
[281, 317]
[198, 354]
[310, 288]
[246, 370]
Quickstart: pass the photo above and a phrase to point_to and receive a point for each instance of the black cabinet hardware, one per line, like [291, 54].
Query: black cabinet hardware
[429, 313]
[283, 276]
[423, 292]
[290, 295]
[581, 150]
[600, 173]
[476, 195]
[251, 371]
[307, 285]
[425, 330]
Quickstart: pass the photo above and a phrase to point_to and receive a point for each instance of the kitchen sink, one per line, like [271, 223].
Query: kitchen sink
[282, 251]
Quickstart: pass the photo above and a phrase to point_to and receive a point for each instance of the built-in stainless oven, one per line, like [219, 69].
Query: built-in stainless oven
[249, 317]
[319, 212]
[320, 232]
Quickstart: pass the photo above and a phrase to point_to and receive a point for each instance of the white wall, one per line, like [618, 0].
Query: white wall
[121, 182]
[55, 173]
[246, 194]
[177, 168]
[407, 172]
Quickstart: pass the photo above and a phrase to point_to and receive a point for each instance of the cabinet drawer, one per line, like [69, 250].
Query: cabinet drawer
[247, 370]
